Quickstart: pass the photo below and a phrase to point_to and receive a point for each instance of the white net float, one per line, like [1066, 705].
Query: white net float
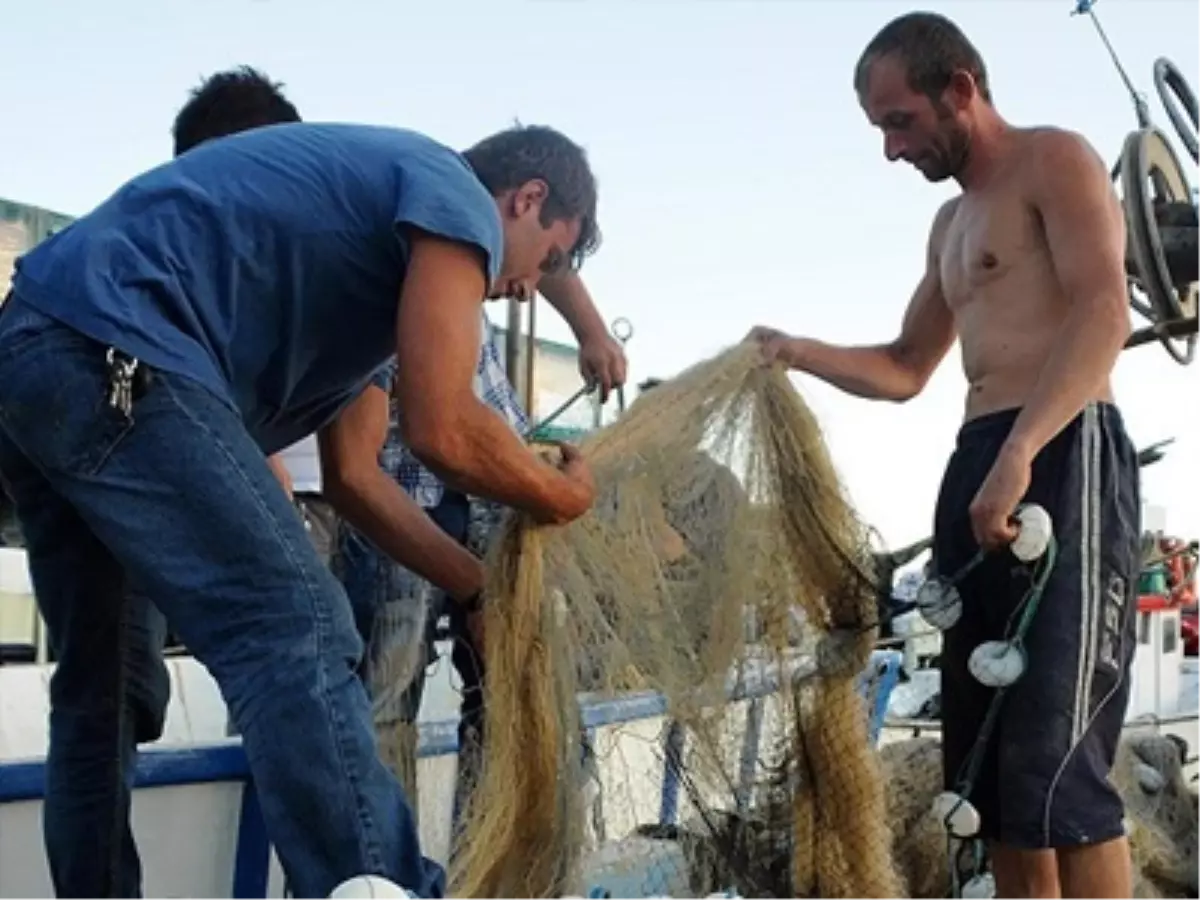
[981, 887]
[957, 814]
[997, 664]
[368, 886]
[1034, 532]
[1149, 779]
[939, 603]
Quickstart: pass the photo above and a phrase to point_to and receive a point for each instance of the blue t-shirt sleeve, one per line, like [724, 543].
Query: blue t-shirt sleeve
[439, 193]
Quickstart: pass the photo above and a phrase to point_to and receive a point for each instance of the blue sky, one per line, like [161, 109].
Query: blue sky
[740, 183]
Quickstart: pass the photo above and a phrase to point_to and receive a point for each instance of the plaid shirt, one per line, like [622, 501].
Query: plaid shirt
[491, 386]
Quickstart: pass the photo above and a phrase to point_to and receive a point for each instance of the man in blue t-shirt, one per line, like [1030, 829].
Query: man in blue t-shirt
[216, 309]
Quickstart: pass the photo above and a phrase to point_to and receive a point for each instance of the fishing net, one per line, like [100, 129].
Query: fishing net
[1160, 815]
[721, 561]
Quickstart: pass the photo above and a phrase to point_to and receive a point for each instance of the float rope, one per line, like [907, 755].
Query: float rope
[969, 772]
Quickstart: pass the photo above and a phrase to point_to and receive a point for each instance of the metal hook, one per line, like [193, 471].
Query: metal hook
[622, 330]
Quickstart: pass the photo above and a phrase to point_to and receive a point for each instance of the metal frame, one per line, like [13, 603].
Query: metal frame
[1148, 159]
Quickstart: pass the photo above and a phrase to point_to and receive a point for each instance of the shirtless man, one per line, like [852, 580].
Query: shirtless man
[1026, 269]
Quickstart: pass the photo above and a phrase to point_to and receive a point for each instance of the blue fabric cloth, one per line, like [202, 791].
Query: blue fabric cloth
[267, 265]
[177, 499]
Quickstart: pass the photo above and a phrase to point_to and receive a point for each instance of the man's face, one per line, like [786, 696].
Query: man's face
[932, 136]
[531, 250]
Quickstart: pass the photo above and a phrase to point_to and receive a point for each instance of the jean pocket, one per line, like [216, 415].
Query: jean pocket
[22, 326]
[54, 403]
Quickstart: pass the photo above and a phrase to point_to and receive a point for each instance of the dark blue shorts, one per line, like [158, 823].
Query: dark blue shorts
[1044, 778]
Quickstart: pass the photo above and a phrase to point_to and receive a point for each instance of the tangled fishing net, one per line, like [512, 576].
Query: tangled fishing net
[721, 554]
[1160, 815]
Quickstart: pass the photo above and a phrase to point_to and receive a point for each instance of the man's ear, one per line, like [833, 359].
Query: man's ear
[530, 196]
[962, 89]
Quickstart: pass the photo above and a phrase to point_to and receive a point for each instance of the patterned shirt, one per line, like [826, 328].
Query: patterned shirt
[491, 386]
[393, 607]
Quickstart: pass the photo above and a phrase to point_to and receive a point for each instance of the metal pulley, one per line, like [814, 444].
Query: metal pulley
[1160, 212]
[1162, 251]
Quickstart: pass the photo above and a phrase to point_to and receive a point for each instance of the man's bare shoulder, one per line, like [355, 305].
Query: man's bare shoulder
[1049, 153]
[941, 223]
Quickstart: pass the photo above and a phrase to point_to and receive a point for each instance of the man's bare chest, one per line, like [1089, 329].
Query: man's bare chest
[991, 240]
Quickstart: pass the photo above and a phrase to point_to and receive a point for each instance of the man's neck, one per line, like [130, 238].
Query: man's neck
[990, 144]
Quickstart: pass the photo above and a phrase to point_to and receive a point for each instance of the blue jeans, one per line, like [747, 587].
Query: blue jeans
[178, 499]
[372, 579]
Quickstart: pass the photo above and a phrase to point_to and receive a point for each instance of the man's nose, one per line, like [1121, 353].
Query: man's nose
[893, 147]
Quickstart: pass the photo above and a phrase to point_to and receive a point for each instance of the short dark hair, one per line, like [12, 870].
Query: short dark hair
[229, 102]
[522, 153]
[932, 49]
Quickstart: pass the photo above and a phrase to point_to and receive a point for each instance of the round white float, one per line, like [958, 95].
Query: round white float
[1033, 534]
[1149, 779]
[981, 887]
[939, 603]
[957, 814]
[997, 664]
[362, 886]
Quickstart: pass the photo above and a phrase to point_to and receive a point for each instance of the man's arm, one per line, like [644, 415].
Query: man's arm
[900, 370]
[366, 497]
[601, 359]
[1085, 232]
[282, 475]
[444, 423]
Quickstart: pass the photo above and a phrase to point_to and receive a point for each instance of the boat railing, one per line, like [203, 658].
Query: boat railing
[224, 762]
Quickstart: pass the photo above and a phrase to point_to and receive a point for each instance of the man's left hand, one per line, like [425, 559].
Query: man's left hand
[602, 363]
[993, 507]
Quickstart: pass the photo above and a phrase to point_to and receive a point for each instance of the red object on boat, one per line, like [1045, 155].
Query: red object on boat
[1153, 602]
[1180, 563]
[1189, 629]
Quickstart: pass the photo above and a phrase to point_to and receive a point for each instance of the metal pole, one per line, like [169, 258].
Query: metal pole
[512, 347]
[531, 356]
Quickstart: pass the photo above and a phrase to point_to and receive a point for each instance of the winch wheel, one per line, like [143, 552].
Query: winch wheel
[1173, 92]
[1152, 177]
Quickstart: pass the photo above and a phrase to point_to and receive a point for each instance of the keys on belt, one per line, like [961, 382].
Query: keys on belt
[127, 379]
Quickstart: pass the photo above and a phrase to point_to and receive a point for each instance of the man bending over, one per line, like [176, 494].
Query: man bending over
[1026, 268]
[249, 290]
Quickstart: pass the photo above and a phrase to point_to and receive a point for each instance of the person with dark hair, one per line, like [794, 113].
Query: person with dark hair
[396, 589]
[1026, 268]
[506, 160]
[230, 102]
[395, 610]
[252, 288]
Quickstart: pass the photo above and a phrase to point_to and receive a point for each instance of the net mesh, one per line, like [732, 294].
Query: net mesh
[721, 561]
[1160, 814]
[1160, 810]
